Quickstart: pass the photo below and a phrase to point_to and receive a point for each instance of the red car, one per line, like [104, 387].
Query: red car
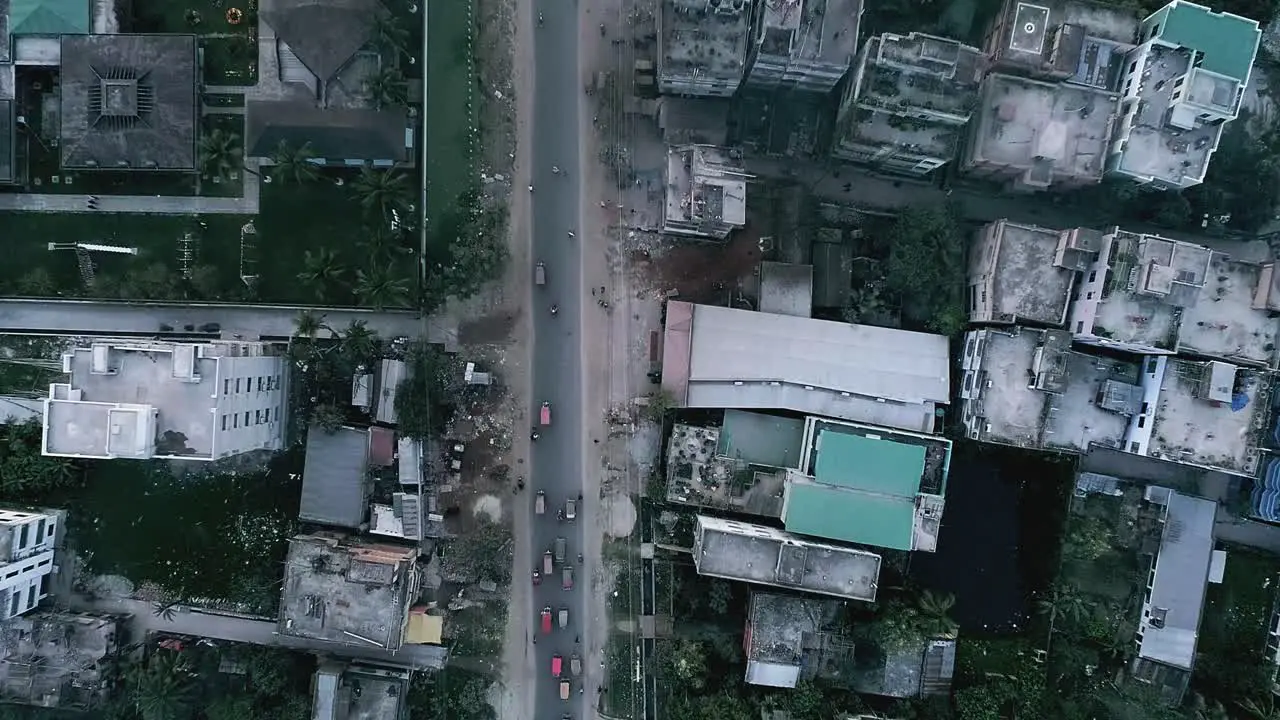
[546, 620]
[556, 664]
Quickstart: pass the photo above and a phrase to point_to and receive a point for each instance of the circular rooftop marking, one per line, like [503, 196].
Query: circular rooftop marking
[1029, 28]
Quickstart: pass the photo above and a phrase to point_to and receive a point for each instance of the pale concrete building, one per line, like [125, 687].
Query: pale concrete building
[706, 193]
[804, 44]
[139, 399]
[1180, 87]
[27, 542]
[1023, 274]
[703, 46]
[763, 555]
[907, 104]
[1033, 135]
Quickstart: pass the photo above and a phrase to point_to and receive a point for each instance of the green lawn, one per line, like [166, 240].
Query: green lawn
[158, 239]
[450, 83]
[230, 50]
[298, 218]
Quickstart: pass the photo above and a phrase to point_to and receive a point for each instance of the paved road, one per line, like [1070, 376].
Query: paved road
[557, 352]
[72, 317]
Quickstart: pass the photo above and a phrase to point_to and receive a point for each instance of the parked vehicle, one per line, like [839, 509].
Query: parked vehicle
[547, 568]
[570, 509]
[556, 664]
[166, 327]
[575, 665]
[540, 274]
[540, 502]
[564, 618]
[545, 414]
[566, 577]
[564, 689]
[210, 328]
[560, 549]
[546, 620]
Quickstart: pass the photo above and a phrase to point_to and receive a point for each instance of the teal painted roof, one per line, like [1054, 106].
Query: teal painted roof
[49, 17]
[869, 464]
[1228, 42]
[836, 513]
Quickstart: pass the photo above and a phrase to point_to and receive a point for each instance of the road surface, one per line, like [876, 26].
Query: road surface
[557, 456]
[90, 317]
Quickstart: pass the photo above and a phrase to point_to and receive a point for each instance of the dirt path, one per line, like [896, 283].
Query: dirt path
[513, 697]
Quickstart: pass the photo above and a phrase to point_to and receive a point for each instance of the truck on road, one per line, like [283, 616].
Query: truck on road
[540, 502]
[560, 549]
[546, 620]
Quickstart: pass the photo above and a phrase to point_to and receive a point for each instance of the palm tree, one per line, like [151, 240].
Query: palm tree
[293, 163]
[388, 33]
[307, 325]
[359, 341]
[220, 153]
[381, 190]
[321, 271]
[166, 610]
[935, 614]
[1063, 603]
[387, 87]
[380, 287]
[37, 281]
[162, 689]
[380, 245]
[1264, 709]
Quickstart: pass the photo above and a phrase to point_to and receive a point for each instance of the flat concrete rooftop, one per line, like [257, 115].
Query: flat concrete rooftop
[1223, 322]
[696, 40]
[1065, 417]
[1150, 281]
[818, 31]
[759, 554]
[704, 184]
[181, 387]
[341, 590]
[1188, 428]
[1026, 283]
[1157, 149]
[1060, 130]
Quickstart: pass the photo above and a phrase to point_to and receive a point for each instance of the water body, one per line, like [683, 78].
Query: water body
[999, 538]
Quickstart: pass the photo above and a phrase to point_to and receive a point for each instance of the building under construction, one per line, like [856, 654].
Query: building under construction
[57, 659]
[706, 193]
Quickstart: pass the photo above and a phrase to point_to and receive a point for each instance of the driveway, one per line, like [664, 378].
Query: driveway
[557, 456]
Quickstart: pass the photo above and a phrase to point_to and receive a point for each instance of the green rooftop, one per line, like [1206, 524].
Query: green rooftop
[49, 17]
[869, 464]
[864, 491]
[837, 513]
[1227, 42]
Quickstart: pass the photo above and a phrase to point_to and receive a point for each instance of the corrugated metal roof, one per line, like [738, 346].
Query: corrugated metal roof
[1172, 618]
[827, 511]
[390, 374]
[335, 487]
[745, 359]
[871, 464]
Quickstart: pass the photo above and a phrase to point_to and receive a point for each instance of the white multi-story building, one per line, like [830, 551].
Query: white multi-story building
[141, 399]
[27, 540]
